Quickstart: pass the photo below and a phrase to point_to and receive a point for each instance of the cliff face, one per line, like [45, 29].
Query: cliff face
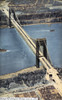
[34, 6]
[3, 20]
[24, 19]
[34, 11]
[35, 1]
[37, 11]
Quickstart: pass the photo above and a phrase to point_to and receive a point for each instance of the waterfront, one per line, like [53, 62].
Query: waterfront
[19, 56]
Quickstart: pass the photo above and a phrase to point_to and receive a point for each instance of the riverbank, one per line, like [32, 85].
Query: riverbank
[33, 18]
[29, 82]
[6, 26]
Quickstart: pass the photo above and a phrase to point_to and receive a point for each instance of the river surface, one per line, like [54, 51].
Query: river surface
[19, 56]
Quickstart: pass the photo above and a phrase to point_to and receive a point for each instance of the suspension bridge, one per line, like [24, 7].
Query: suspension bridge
[51, 73]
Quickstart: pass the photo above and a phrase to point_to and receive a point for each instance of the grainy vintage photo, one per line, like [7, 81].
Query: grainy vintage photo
[31, 49]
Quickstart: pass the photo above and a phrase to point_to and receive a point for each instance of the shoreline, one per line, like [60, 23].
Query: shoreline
[5, 26]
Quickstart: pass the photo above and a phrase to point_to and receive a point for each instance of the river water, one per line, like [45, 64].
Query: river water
[19, 56]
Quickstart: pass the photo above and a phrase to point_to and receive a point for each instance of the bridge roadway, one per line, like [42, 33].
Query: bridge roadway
[50, 70]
